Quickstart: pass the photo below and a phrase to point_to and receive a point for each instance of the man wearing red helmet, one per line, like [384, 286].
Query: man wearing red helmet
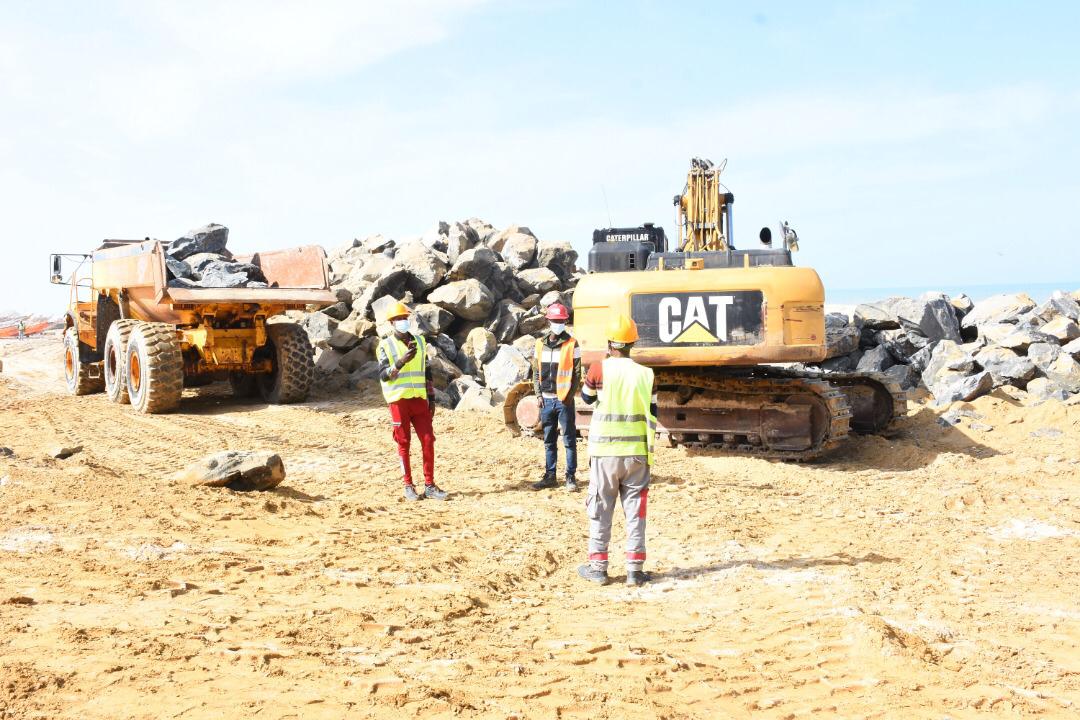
[556, 379]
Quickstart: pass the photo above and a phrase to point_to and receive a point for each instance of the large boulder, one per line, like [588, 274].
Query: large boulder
[1064, 372]
[227, 274]
[376, 244]
[504, 320]
[468, 299]
[1072, 348]
[1042, 389]
[1005, 366]
[518, 250]
[359, 356]
[237, 470]
[459, 238]
[349, 333]
[476, 263]
[1005, 308]
[477, 399]
[526, 345]
[877, 315]
[841, 338]
[442, 370]
[179, 269]
[936, 318]
[1060, 304]
[900, 343]
[538, 281]
[498, 240]
[210, 238]
[951, 386]
[903, 375]
[875, 360]
[947, 356]
[479, 348]
[505, 370]
[423, 267]
[373, 268]
[1043, 354]
[432, 319]
[962, 304]
[560, 256]
[1062, 328]
[533, 323]
[1020, 339]
[338, 311]
[319, 327]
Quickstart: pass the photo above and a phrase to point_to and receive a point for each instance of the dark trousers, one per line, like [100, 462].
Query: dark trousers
[556, 415]
[414, 412]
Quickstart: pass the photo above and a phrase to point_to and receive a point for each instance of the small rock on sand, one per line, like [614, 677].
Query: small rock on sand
[237, 470]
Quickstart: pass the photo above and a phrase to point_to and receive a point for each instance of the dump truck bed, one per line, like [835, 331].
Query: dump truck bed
[297, 278]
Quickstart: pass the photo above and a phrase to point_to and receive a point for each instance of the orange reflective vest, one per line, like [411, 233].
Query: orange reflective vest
[564, 379]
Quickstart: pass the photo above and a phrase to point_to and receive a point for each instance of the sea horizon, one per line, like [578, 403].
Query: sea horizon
[855, 296]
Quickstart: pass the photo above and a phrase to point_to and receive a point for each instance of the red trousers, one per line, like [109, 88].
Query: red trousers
[414, 411]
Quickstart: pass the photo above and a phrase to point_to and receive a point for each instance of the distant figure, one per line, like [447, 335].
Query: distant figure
[22, 329]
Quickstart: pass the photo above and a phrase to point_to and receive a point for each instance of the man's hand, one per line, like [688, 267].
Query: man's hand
[540, 401]
[410, 353]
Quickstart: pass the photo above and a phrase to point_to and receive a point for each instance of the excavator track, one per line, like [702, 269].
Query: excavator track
[876, 402]
[754, 414]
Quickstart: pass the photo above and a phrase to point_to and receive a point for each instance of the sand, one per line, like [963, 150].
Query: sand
[928, 574]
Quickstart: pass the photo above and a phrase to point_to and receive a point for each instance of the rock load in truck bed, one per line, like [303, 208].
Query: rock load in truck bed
[200, 259]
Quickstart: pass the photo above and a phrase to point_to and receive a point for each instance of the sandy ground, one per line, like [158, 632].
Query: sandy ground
[930, 574]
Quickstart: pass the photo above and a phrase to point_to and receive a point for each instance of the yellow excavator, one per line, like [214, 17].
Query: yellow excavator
[727, 331]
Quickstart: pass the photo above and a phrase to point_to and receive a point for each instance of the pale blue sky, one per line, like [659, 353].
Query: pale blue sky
[910, 143]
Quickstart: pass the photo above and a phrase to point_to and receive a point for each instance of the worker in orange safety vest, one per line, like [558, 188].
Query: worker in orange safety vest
[556, 380]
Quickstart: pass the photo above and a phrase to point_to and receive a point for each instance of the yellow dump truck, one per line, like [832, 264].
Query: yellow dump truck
[131, 334]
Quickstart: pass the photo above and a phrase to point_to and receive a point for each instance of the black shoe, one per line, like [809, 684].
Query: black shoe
[410, 493]
[547, 482]
[637, 577]
[571, 484]
[591, 574]
[432, 492]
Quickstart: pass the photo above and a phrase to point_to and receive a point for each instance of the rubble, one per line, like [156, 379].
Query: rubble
[200, 259]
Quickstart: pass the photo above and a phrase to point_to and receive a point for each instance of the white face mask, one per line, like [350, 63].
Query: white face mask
[557, 328]
[402, 326]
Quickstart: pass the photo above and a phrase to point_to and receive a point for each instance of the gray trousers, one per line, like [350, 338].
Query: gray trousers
[611, 479]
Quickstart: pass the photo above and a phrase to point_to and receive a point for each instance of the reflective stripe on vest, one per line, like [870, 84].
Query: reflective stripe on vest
[564, 378]
[622, 424]
[410, 381]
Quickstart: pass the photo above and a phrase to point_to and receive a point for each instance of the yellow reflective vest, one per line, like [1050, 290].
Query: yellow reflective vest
[410, 381]
[622, 424]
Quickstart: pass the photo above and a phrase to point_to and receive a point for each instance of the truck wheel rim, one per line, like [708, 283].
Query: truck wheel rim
[135, 373]
[110, 366]
[69, 364]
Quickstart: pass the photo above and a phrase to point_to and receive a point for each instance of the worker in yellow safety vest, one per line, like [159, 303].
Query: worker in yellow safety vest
[556, 378]
[407, 388]
[621, 435]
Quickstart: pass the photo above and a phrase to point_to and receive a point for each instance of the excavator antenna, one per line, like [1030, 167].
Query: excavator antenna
[704, 210]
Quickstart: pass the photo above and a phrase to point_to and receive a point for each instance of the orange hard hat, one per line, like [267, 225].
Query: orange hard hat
[557, 311]
[622, 330]
[397, 310]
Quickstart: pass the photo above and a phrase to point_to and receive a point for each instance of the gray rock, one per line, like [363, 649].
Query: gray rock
[371, 270]
[1005, 366]
[1072, 348]
[447, 346]
[841, 340]
[479, 348]
[442, 370]
[338, 311]
[432, 319]
[506, 369]
[937, 319]
[376, 244]
[1042, 389]
[538, 281]
[1043, 354]
[198, 261]
[477, 399]
[951, 386]
[1062, 328]
[327, 360]
[356, 358]
[424, 268]
[349, 333]
[459, 386]
[459, 238]
[947, 357]
[476, 263]
[468, 299]
[526, 345]
[1005, 308]
[504, 320]
[559, 256]
[237, 470]
[498, 240]
[1021, 339]
[904, 375]
[921, 359]
[1064, 372]
[367, 371]
[900, 343]
[344, 295]
[518, 250]
[210, 238]
[875, 360]
[319, 327]
[178, 268]
[533, 323]
[62, 452]
[876, 315]
[962, 304]
[1060, 304]
[843, 363]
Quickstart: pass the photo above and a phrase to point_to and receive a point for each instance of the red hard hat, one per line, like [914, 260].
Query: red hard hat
[557, 311]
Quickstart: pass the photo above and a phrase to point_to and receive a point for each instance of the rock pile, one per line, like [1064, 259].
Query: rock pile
[960, 350]
[478, 294]
[201, 259]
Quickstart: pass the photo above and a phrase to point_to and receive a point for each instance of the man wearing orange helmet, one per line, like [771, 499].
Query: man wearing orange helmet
[406, 384]
[621, 436]
[556, 377]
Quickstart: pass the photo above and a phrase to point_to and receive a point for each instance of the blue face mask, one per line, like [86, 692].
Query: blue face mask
[402, 326]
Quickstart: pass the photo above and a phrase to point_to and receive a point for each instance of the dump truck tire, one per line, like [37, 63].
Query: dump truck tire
[243, 385]
[78, 374]
[294, 368]
[155, 368]
[115, 361]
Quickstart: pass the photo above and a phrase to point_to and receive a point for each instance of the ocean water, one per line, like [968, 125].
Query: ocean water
[1038, 291]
